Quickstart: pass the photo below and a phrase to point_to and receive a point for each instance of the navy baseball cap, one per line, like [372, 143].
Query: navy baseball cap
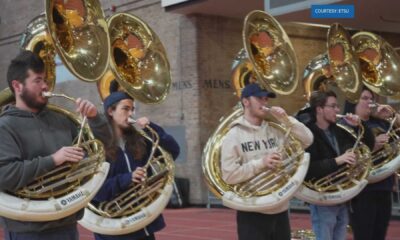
[253, 89]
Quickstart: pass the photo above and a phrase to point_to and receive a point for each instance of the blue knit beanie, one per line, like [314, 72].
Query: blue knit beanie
[115, 96]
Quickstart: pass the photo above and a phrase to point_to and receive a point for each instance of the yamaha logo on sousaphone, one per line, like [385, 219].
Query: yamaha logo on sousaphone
[268, 59]
[78, 33]
[140, 66]
[339, 67]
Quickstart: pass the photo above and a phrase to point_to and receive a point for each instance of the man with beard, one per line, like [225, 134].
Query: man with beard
[34, 140]
[251, 146]
[127, 154]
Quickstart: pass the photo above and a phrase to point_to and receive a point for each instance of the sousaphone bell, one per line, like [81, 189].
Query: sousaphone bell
[139, 64]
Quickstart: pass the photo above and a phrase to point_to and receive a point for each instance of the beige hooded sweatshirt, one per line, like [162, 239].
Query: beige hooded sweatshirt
[245, 146]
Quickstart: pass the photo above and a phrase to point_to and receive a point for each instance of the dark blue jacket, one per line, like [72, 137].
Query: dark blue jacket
[379, 126]
[376, 126]
[119, 180]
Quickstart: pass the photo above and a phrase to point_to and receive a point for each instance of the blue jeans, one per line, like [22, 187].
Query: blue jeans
[329, 222]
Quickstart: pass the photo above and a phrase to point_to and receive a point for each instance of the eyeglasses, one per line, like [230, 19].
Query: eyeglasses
[332, 106]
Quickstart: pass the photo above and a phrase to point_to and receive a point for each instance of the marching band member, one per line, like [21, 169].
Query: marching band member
[35, 140]
[250, 146]
[127, 154]
[327, 153]
[371, 210]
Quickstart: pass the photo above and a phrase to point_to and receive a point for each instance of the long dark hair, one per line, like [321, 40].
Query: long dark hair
[135, 142]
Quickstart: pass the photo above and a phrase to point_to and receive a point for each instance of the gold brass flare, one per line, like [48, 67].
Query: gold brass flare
[138, 59]
[79, 32]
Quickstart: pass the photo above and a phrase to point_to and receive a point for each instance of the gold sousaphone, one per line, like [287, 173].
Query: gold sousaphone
[340, 67]
[380, 67]
[379, 64]
[140, 65]
[270, 55]
[343, 184]
[69, 187]
[266, 47]
[36, 39]
[138, 60]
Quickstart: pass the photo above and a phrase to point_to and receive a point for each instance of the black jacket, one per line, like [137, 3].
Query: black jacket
[378, 126]
[322, 153]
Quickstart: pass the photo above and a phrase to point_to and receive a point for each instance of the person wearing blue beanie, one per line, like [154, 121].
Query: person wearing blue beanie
[115, 96]
[127, 154]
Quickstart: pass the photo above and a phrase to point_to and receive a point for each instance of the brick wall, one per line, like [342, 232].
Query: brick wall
[200, 49]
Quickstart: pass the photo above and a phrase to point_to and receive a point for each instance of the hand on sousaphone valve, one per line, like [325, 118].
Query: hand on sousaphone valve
[68, 154]
[83, 106]
[350, 157]
[275, 159]
[139, 175]
[272, 160]
[387, 113]
[351, 119]
[381, 140]
[86, 108]
[382, 111]
[279, 114]
[73, 153]
[142, 122]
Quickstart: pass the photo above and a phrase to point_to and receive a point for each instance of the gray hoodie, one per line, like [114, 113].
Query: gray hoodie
[26, 144]
[245, 145]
